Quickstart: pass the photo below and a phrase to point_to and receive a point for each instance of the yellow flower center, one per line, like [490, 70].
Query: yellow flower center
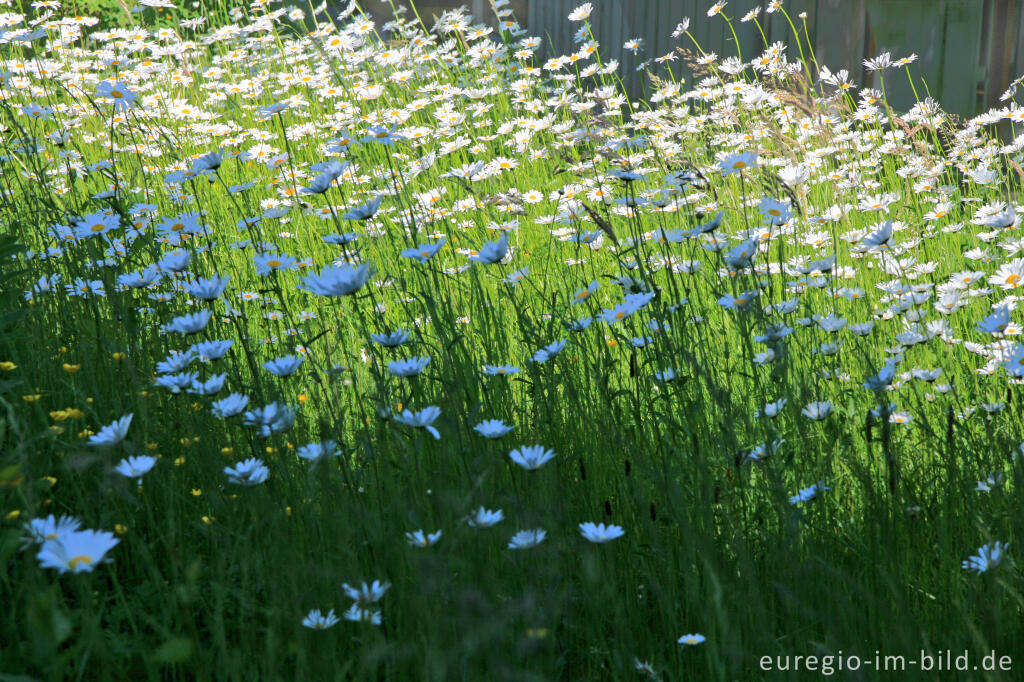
[79, 560]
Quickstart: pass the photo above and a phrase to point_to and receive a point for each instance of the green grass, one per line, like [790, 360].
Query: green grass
[212, 580]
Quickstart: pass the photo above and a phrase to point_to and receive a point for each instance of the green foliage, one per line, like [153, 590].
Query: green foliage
[658, 412]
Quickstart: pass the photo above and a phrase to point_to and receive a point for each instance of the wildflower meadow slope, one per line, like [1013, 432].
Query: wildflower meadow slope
[339, 349]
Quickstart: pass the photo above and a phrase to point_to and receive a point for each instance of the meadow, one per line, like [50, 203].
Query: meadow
[333, 349]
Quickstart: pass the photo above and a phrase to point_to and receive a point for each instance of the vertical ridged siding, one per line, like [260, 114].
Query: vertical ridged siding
[968, 50]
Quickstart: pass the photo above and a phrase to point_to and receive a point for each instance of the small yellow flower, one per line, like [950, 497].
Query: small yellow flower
[50, 480]
[178, 462]
[196, 492]
[303, 397]
[71, 369]
[8, 366]
[288, 511]
[32, 397]
[271, 450]
[227, 451]
[120, 528]
[56, 429]
[85, 433]
[118, 356]
[208, 520]
[13, 514]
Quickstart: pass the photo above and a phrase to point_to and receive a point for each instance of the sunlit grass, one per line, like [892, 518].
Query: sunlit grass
[278, 273]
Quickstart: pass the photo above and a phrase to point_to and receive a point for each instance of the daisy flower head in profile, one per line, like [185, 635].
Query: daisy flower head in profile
[817, 411]
[421, 420]
[989, 556]
[531, 457]
[366, 593]
[118, 93]
[493, 428]
[315, 620]
[598, 533]
[113, 433]
[271, 419]
[484, 518]
[525, 539]
[423, 252]
[267, 263]
[500, 370]
[233, 405]
[581, 13]
[548, 352]
[207, 289]
[50, 528]
[584, 294]
[250, 472]
[734, 163]
[192, 323]
[634, 45]
[382, 135]
[136, 467]
[420, 538]
[358, 614]
[314, 452]
[334, 280]
[364, 211]
[492, 252]
[410, 367]
[284, 366]
[692, 639]
[76, 551]
[391, 339]
[809, 493]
